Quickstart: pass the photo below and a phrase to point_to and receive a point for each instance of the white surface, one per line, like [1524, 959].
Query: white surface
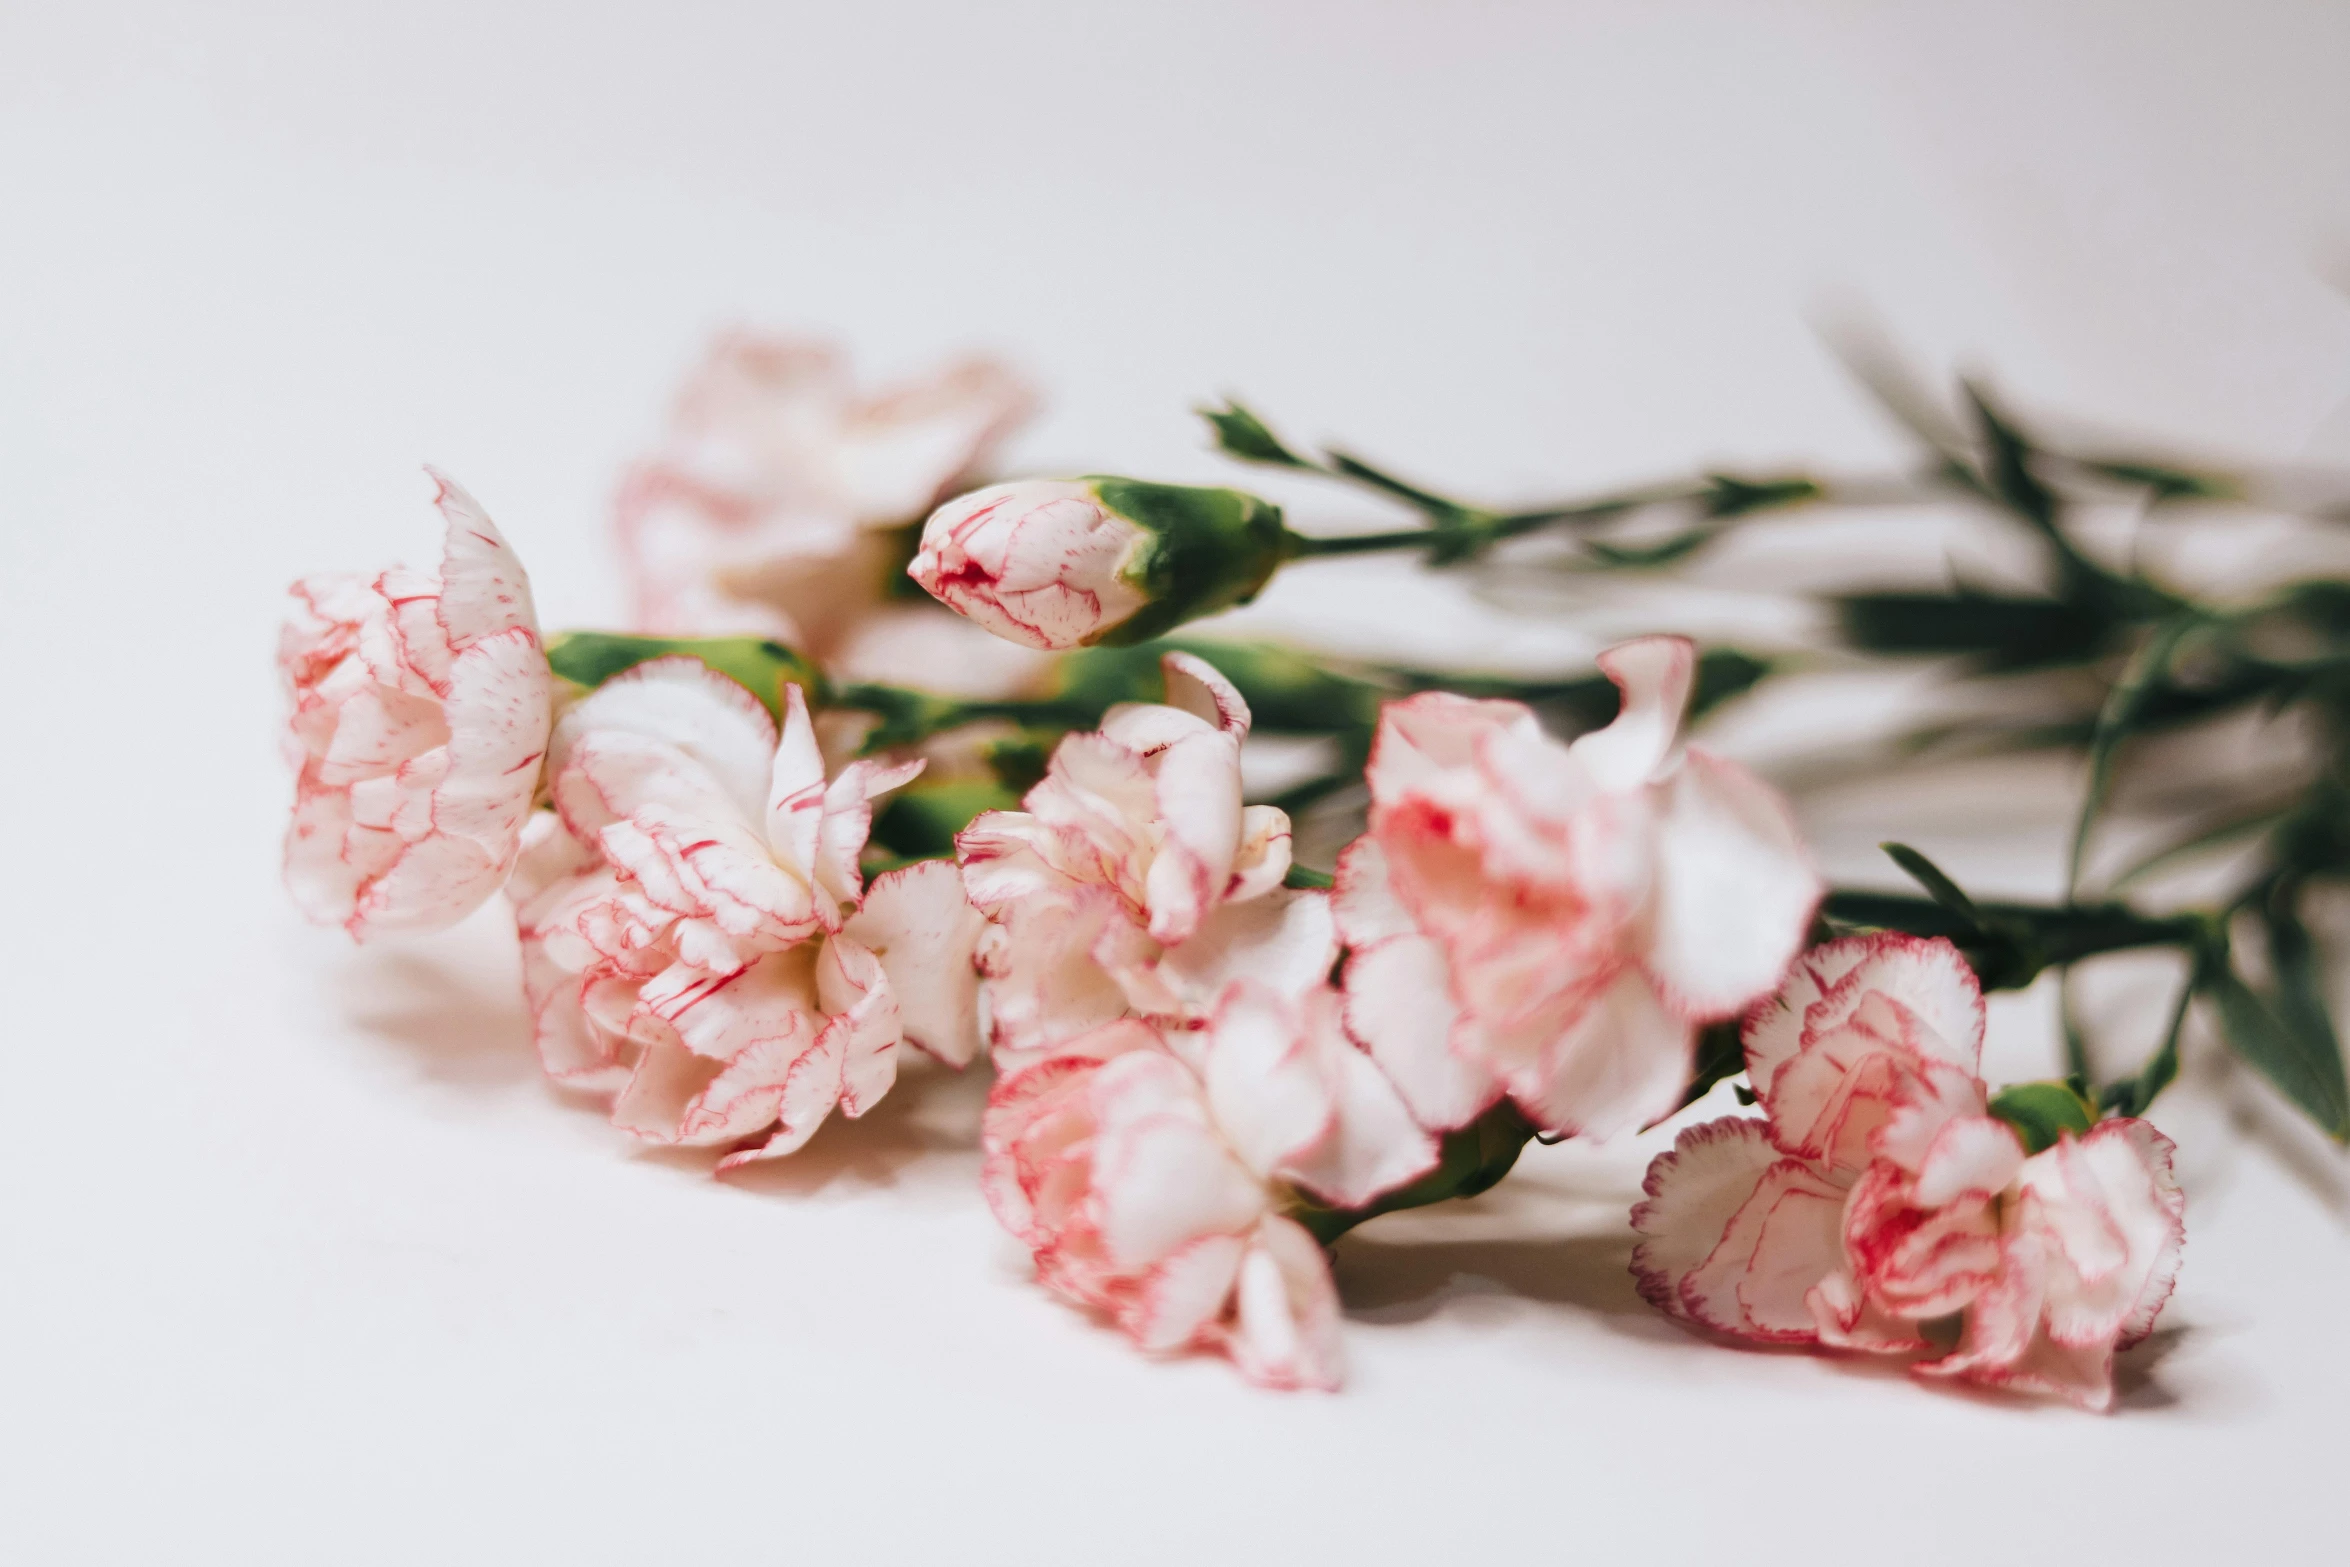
[299, 1262]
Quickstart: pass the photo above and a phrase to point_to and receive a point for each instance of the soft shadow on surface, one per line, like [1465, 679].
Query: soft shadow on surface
[931, 1114]
[1391, 1281]
[457, 1027]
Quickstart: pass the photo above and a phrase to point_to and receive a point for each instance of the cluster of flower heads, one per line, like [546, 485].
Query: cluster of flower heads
[1203, 1067]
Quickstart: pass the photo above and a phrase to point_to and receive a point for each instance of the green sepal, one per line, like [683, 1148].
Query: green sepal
[2042, 1112]
[1306, 878]
[1241, 434]
[1208, 549]
[759, 666]
[1469, 1161]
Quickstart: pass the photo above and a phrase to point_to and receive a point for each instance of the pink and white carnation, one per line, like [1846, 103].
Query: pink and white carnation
[697, 937]
[1154, 1174]
[1135, 881]
[420, 709]
[769, 509]
[1555, 922]
[1878, 1196]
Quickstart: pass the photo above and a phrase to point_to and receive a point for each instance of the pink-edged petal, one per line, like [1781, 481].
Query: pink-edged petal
[1930, 978]
[747, 1096]
[848, 820]
[1262, 862]
[1285, 941]
[1285, 1332]
[1161, 1175]
[1183, 1298]
[484, 589]
[1782, 1241]
[1399, 1004]
[1693, 1192]
[1364, 900]
[864, 1013]
[926, 934]
[681, 703]
[1267, 1087]
[1197, 807]
[1620, 1064]
[1372, 1144]
[810, 1089]
[1422, 737]
[795, 791]
[1971, 1156]
[1199, 688]
[1734, 889]
[1653, 676]
[668, 1079]
[2111, 1210]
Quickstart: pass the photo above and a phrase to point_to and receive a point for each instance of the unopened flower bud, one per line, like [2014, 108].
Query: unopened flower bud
[1061, 563]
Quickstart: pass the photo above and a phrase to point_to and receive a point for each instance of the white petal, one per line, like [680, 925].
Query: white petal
[926, 934]
[1653, 674]
[1734, 889]
[1399, 1004]
[1622, 1063]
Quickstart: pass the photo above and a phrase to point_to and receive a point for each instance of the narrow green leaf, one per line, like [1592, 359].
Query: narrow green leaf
[2196, 842]
[1998, 631]
[1662, 553]
[2145, 675]
[2166, 481]
[1721, 1052]
[2305, 1070]
[1938, 885]
[2132, 1095]
[1730, 496]
[2301, 1004]
[2041, 1112]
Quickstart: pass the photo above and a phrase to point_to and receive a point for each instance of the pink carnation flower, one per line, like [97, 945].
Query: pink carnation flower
[696, 933]
[1877, 1195]
[1554, 922]
[769, 509]
[420, 707]
[1135, 881]
[1153, 1175]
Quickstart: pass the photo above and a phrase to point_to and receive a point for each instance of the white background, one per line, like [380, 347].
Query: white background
[300, 1262]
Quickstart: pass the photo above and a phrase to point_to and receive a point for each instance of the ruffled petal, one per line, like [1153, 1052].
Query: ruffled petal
[926, 934]
[1693, 1192]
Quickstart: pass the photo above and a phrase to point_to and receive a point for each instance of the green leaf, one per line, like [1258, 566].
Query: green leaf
[920, 822]
[1721, 1052]
[761, 667]
[1306, 876]
[1938, 885]
[1729, 496]
[2040, 1112]
[1637, 556]
[2147, 673]
[2167, 482]
[1241, 434]
[2131, 1096]
[1998, 632]
[2301, 1004]
[2305, 1068]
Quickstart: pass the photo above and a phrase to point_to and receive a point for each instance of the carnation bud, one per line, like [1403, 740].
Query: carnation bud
[1062, 563]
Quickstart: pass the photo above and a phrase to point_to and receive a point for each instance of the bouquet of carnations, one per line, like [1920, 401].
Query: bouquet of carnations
[889, 761]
